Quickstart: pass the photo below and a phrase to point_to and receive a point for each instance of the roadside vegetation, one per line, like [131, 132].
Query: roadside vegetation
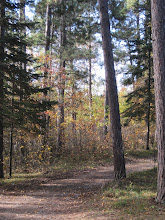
[131, 198]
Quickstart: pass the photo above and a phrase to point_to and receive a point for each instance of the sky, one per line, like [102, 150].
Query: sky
[98, 70]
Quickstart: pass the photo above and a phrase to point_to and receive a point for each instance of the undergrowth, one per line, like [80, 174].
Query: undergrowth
[141, 153]
[60, 166]
[133, 197]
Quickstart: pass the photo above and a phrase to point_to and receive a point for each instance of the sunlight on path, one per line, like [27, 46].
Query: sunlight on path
[58, 199]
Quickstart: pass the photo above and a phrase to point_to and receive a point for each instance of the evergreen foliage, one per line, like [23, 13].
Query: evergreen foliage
[131, 21]
[17, 81]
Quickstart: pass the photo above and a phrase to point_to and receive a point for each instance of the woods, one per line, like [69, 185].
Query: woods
[81, 82]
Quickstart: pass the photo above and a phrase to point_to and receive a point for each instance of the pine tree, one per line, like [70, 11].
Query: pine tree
[19, 107]
[119, 162]
[158, 33]
[137, 56]
[2, 57]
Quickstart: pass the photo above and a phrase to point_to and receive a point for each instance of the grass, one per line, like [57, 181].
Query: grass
[141, 153]
[60, 167]
[68, 164]
[133, 197]
[20, 177]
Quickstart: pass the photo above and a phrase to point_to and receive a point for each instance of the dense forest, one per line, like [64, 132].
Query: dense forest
[81, 81]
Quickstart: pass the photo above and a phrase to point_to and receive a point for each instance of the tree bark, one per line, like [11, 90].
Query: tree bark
[158, 38]
[2, 16]
[61, 82]
[47, 28]
[119, 162]
[46, 75]
[138, 46]
[74, 117]
[149, 65]
[23, 67]
[11, 136]
[23, 32]
[106, 110]
[149, 101]
[90, 81]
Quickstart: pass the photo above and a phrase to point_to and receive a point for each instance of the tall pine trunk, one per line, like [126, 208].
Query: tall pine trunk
[90, 67]
[149, 66]
[149, 101]
[119, 162]
[11, 135]
[22, 67]
[158, 39]
[106, 110]
[61, 82]
[46, 75]
[47, 28]
[138, 46]
[2, 16]
[90, 80]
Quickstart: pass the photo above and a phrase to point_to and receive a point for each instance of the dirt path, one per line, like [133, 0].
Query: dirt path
[60, 198]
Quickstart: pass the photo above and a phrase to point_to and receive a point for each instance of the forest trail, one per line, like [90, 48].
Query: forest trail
[61, 197]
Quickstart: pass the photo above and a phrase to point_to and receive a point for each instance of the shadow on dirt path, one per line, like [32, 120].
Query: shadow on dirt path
[60, 198]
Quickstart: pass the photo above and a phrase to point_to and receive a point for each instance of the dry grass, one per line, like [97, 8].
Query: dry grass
[133, 197]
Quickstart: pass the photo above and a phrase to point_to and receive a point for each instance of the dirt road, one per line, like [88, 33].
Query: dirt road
[59, 198]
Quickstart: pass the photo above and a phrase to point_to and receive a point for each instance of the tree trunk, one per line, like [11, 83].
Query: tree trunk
[158, 38]
[138, 46]
[46, 76]
[2, 16]
[119, 162]
[90, 66]
[106, 110]
[90, 81]
[149, 101]
[23, 32]
[74, 117]
[47, 28]
[11, 138]
[23, 67]
[61, 82]
[149, 65]
[47, 47]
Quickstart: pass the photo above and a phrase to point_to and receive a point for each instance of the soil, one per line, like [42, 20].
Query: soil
[59, 197]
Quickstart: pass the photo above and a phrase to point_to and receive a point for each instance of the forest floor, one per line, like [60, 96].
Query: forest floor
[66, 196]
